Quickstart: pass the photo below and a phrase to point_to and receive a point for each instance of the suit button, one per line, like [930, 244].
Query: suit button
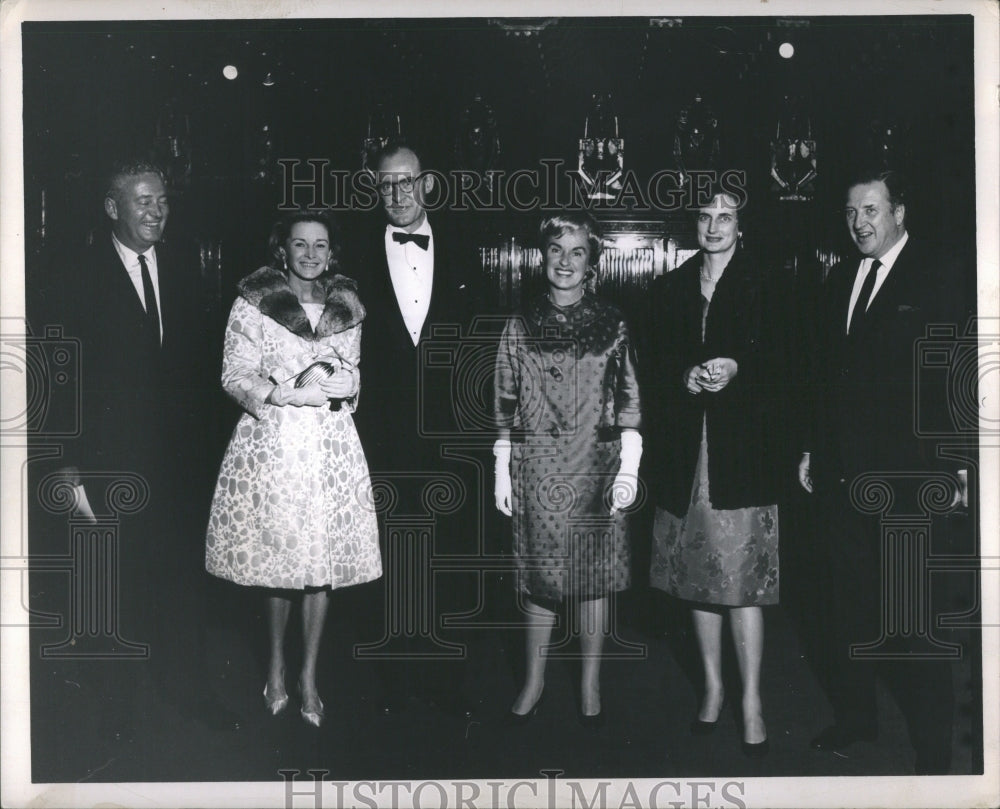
[556, 374]
[554, 431]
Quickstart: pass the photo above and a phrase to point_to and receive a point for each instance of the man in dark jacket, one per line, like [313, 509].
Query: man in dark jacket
[420, 290]
[134, 305]
[863, 445]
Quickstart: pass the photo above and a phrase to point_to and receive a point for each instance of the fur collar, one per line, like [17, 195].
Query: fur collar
[268, 290]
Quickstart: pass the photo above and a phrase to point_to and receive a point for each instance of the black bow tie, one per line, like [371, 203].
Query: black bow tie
[421, 240]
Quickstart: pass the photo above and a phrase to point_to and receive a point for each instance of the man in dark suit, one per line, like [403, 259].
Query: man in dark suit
[146, 381]
[873, 313]
[415, 279]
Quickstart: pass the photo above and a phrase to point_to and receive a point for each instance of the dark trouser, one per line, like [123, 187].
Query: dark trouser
[161, 603]
[407, 640]
[854, 610]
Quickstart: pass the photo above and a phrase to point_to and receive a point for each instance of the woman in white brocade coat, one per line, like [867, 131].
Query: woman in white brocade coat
[293, 506]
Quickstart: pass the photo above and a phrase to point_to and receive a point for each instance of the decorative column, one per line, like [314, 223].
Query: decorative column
[906, 598]
[93, 564]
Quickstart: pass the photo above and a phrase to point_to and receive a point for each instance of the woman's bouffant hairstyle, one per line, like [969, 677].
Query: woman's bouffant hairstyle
[552, 227]
[706, 198]
[281, 230]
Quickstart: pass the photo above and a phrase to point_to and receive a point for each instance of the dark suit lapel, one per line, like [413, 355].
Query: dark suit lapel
[170, 303]
[841, 286]
[119, 289]
[895, 285]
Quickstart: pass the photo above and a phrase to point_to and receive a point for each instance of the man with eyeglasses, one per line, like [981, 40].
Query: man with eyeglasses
[414, 278]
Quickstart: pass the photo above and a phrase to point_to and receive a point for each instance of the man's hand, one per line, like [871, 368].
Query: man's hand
[805, 479]
[962, 492]
[70, 476]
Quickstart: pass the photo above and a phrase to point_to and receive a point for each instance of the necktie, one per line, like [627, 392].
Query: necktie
[861, 304]
[152, 316]
[421, 240]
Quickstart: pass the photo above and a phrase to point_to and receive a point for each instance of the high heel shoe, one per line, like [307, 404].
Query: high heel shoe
[699, 727]
[516, 720]
[314, 718]
[591, 721]
[275, 705]
[755, 749]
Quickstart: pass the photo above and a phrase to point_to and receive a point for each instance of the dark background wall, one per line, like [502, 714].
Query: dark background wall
[99, 88]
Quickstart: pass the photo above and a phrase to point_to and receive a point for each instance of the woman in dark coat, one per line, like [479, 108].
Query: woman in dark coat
[568, 454]
[716, 359]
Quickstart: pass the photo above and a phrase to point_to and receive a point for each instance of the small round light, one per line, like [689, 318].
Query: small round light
[786, 50]
[230, 72]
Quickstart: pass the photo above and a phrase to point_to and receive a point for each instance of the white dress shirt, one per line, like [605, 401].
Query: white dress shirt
[865, 267]
[412, 273]
[130, 259]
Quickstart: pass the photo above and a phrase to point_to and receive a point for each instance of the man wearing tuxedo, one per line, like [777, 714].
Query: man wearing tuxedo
[146, 387]
[414, 278]
[873, 313]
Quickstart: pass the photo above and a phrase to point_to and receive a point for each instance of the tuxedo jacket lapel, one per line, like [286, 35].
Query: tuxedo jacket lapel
[392, 310]
[437, 309]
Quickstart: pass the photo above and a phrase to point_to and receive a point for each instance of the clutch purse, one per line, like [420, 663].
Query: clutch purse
[316, 371]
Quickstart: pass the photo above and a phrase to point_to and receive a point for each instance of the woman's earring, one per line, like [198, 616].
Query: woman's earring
[739, 238]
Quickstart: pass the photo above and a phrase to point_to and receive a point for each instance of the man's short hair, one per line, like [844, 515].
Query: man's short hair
[392, 148]
[894, 183]
[129, 167]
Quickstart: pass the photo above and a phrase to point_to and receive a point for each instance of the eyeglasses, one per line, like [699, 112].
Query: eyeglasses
[404, 184]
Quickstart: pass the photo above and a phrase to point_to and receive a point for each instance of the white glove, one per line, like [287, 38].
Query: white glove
[81, 505]
[626, 485]
[286, 393]
[502, 486]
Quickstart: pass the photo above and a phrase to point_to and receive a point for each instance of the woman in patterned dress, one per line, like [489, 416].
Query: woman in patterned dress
[293, 507]
[712, 402]
[567, 456]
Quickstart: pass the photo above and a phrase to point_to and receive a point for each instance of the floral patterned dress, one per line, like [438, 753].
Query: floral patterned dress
[565, 386]
[727, 557]
[293, 501]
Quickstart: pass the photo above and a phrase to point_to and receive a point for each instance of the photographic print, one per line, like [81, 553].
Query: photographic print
[499, 405]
